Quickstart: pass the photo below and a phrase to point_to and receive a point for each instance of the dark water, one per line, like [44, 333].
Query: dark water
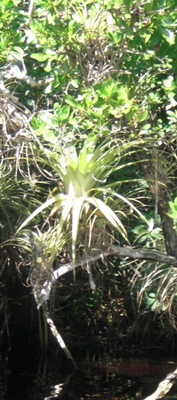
[105, 370]
[29, 375]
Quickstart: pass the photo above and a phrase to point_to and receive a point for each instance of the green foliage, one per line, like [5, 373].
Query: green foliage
[81, 175]
[153, 303]
[96, 149]
[16, 202]
[173, 209]
[148, 235]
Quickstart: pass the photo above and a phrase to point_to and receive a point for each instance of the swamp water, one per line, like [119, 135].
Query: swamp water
[28, 375]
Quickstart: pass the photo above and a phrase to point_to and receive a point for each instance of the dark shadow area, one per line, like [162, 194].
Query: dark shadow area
[113, 359]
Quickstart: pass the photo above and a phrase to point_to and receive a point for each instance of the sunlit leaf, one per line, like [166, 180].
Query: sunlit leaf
[39, 56]
[168, 35]
[143, 115]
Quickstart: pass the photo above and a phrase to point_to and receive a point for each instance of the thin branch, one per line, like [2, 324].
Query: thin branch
[31, 8]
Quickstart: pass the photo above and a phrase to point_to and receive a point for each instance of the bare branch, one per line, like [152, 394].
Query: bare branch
[164, 386]
[145, 255]
[113, 250]
[31, 8]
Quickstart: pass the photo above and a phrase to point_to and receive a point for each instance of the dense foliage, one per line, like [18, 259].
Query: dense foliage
[88, 146]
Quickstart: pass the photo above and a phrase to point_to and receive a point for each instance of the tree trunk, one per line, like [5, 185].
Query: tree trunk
[168, 227]
[158, 181]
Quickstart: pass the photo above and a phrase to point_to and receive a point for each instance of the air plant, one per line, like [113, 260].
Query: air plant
[84, 193]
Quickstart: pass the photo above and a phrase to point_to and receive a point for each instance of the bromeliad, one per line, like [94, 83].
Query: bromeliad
[85, 191]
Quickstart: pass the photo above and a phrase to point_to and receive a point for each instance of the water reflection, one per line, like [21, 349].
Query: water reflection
[30, 376]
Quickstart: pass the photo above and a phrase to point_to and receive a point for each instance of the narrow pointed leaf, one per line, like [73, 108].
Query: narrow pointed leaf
[48, 203]
[66, 210]
[125, 200]
[76, 214]
[108, 214]
[82, 160]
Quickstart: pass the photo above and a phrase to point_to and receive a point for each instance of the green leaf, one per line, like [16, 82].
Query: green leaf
[39, 57]
[9, 4]
[173, 207]
[168, 35]
[169, 83]
[108, 214]
[124, 199]
[76, 214]
[72, 102]
[143, 115]
[66, 210]
[30, 36]
[86, 154]
[37, 211]
[63, 113]
[48, 88]
[48, 66]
